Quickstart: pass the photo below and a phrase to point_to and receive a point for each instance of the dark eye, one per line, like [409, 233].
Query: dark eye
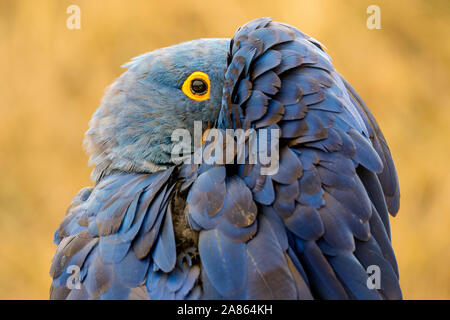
[196, 86]
[199, 86]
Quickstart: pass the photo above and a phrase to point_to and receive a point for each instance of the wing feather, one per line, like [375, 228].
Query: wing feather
[130, 218]
[346, 181]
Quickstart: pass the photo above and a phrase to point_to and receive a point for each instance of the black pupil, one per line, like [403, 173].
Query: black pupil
[199, 86]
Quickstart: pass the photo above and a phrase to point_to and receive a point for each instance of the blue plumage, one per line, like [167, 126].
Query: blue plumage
[152, 229]
[164, 253]
[224, 262]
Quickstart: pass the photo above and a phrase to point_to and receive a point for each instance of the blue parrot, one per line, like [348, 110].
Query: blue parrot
[153, 228]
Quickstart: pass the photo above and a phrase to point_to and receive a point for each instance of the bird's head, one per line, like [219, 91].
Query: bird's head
[161, 91]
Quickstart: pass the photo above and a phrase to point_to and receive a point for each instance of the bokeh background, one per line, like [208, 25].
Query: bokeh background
[52, 79]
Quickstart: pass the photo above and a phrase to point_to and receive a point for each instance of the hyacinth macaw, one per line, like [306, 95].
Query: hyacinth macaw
[153, 229]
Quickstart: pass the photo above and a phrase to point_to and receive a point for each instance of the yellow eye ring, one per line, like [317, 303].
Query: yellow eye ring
[196, 86]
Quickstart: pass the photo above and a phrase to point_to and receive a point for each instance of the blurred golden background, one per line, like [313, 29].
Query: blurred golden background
[52, 79]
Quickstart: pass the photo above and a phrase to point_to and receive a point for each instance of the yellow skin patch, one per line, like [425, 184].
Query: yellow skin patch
[186, 88]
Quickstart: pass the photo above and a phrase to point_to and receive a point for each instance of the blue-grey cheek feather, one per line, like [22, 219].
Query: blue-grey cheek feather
[131, 131]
